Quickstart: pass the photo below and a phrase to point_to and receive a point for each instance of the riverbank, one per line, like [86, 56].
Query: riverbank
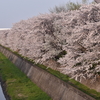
[17, 85]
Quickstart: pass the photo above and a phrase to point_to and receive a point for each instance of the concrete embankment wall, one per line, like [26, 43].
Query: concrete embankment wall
[53, 86]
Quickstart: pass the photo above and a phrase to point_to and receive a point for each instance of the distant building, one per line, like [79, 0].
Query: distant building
[5, 28]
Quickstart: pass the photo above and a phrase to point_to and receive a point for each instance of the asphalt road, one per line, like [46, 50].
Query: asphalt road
[1, 94]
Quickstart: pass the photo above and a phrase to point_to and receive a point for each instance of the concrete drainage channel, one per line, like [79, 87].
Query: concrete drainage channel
[53, 86]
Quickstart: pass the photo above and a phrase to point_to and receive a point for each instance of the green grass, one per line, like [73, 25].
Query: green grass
[19, 86]
[78, 85]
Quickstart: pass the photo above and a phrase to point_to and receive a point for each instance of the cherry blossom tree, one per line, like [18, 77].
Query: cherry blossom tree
[46, 36]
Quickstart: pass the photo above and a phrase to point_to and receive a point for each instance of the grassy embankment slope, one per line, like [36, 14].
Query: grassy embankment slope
[19, 86]
[61, 76]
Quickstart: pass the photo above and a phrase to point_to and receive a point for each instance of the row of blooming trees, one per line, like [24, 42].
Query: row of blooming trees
[46, 36]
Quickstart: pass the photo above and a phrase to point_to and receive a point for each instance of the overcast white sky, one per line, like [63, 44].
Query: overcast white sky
[13, 11]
